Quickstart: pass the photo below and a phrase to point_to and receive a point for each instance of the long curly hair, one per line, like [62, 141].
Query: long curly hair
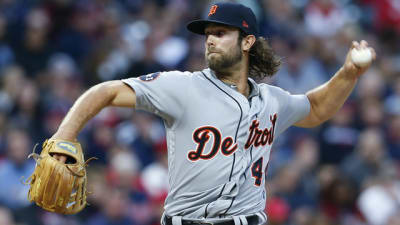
[263, 62]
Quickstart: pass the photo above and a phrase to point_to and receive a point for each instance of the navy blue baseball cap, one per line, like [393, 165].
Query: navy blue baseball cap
[227, 13]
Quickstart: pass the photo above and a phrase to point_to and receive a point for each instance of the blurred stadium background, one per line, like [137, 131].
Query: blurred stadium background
[344, 172]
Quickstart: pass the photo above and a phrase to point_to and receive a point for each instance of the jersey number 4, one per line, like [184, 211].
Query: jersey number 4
[257, 171]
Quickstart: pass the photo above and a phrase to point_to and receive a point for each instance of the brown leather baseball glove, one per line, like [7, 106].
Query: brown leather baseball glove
[56, 186]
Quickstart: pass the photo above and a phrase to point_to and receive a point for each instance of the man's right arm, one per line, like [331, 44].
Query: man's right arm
[110, 93]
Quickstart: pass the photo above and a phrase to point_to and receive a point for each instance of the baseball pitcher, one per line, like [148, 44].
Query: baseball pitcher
[220, 123]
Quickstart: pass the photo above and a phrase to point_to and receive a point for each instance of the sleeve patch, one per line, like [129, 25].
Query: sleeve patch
[149, 77]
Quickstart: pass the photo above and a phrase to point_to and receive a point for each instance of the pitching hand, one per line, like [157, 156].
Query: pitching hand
[350, 67]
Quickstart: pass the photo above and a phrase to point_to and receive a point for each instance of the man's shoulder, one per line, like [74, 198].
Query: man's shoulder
[271, 89]
[180, 73]
[179, 76]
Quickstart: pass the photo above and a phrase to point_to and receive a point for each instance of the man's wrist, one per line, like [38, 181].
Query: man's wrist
[348, 74]
[64, 135]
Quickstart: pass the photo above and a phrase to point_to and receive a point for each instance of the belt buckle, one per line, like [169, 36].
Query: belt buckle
[208, 223]
[202, 223]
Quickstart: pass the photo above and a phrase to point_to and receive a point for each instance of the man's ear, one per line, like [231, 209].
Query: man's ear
[247, 42]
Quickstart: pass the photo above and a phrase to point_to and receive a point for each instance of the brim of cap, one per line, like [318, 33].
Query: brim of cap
[198, 26]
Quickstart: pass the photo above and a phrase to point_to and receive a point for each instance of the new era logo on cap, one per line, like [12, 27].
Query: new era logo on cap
[244, 24]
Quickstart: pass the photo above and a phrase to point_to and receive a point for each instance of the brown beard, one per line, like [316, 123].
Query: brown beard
[226, 60]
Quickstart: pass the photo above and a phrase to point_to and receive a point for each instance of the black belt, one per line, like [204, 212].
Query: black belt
[251, 220]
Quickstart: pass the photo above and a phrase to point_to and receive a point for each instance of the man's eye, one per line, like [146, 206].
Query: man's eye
[220, 33]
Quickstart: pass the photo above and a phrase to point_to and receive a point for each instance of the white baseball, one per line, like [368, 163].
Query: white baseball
[361, 57]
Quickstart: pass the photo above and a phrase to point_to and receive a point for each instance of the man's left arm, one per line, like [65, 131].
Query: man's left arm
[328, 98]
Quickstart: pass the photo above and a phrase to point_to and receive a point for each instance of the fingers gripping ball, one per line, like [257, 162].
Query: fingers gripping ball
[361, 57]
[56, 186]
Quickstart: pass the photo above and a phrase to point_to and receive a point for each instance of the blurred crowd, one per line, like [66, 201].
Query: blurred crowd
[345, 172]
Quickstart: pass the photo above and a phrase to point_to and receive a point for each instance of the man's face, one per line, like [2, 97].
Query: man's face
[222, 48]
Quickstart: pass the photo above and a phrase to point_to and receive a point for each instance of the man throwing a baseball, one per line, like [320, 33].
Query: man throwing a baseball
[220, 123]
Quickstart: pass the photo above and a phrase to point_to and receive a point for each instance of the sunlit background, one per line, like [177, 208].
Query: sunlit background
[345, 172]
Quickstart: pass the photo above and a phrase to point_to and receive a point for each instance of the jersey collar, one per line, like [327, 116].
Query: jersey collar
[254, 89]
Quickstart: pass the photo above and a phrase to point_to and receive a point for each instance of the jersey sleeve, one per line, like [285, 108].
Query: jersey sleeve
[161, 93]
[293, 108]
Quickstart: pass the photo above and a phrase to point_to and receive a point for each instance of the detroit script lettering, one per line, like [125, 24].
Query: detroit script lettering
[257, 137]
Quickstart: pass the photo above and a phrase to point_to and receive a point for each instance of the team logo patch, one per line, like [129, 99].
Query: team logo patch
[149, 77]
[68, 147]
[213, 9]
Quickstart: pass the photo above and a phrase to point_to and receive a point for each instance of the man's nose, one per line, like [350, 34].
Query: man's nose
[210, 40]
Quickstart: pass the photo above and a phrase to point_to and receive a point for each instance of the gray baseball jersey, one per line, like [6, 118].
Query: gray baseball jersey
[219, 141]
